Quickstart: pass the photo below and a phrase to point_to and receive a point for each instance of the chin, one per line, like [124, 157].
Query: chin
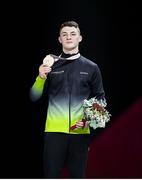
[70, 48]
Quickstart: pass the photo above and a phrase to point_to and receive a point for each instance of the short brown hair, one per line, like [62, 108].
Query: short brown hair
[70, 24]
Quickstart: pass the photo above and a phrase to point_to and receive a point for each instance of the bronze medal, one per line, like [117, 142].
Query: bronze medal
[48, 61]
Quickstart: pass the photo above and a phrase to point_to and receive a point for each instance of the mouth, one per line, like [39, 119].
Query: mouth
[69, 42]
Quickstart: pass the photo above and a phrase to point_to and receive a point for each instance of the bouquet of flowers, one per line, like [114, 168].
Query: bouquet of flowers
[95, 112]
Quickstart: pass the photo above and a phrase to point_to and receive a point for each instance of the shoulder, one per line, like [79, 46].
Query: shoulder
[88, 62]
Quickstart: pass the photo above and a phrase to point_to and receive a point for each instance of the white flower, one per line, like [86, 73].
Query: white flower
[95, 112]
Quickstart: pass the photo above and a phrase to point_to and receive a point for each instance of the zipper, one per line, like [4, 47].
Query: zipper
[69, 89]
[69, 110]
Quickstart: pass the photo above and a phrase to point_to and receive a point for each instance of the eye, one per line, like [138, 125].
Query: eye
[64, 35]
[73, 34]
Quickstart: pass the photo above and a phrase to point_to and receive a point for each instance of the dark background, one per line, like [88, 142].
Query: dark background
[112, 38]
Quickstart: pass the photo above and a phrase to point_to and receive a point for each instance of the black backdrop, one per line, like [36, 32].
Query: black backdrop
[111, 37]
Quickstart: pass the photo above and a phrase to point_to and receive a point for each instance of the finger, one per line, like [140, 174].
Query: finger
[79, 124]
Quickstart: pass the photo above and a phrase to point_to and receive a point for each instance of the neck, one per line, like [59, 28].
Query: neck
[74, 51]
[64, 55]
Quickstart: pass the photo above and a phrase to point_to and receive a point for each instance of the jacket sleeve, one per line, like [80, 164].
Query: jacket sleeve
[36, 90]
[97, 84]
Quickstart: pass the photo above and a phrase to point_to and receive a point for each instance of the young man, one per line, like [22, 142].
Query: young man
[71, 79]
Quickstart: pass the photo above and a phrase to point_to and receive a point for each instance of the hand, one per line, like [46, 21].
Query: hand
[82, 124]
[44, 70]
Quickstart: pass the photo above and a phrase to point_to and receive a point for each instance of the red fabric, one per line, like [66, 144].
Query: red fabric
[117, 151]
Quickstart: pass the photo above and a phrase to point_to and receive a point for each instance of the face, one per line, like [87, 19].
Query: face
[70, 38]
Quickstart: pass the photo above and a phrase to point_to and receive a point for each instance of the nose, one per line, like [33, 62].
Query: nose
[68, 36]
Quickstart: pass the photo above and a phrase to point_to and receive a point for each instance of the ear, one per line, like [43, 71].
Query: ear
[80, 38]
[59, 39]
